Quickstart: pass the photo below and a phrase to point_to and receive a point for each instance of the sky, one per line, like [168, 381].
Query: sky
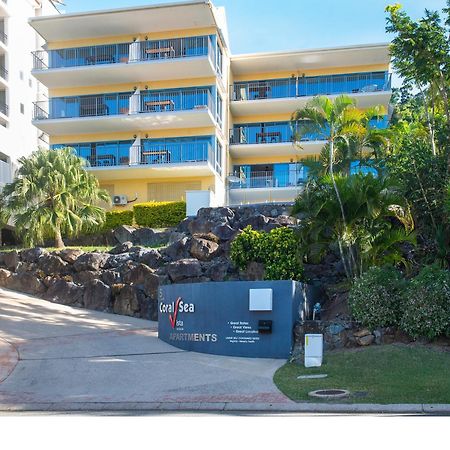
[277, 25]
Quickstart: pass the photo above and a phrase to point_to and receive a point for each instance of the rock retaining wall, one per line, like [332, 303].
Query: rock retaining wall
[126, 279]
[344, 334]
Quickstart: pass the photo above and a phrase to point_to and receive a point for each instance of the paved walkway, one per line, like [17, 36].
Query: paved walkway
[57, 357]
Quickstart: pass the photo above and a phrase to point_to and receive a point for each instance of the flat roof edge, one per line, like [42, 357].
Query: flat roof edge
[248, 56]
[118, 10]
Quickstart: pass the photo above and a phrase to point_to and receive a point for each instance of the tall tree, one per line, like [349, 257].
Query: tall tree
[53, 195]
[337, 122]
[421, 56]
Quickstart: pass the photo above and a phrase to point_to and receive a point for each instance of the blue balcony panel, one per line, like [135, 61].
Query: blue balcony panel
[124, 103]
[311, 86]
[278, 132]
[124, 53]
[149, 152]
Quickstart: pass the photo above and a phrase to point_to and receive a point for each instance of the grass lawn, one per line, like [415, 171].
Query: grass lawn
[377, 374]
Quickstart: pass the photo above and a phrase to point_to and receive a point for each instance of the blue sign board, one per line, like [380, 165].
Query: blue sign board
[234, 318]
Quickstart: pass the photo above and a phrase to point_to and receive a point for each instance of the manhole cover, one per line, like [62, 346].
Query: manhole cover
[329, 393]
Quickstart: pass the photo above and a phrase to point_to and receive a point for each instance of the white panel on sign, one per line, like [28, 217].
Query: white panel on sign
[260, 300]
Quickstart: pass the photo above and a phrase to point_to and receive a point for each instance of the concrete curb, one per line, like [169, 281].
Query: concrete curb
[330, 408]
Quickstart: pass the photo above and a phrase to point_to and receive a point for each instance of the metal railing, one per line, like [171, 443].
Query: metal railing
[311, 86]
[3, 73]
[6, 172]
[176, 100]
[3, 37]
[171, 153]
[261, 134]
[123, 103]
[269, 179]
[121, 154]
[123, 53]
[4, 109]
[278, 132]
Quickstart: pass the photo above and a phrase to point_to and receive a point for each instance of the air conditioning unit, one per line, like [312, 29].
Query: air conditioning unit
[120, 199]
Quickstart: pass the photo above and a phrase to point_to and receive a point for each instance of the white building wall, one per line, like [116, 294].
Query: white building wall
[18, 137]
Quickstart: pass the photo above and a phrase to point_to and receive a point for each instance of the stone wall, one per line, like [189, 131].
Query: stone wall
[344, 334]
[126, 279]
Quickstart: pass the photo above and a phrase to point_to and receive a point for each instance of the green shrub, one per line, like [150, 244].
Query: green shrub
[375, 298]
[159, 214]
[277, 250]
[426, 304]
[116, 218]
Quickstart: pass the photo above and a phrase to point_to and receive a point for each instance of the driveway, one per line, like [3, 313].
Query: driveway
[54, 357]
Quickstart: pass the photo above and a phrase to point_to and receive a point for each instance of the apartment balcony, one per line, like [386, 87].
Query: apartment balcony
[128, 111]
[271, 139]
[190, 57]
[276, 183]
[277, 138]
[287, 95]
[149, 160]
[6, 173]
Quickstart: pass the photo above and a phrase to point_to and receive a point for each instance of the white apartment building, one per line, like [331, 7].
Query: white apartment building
[18, 88]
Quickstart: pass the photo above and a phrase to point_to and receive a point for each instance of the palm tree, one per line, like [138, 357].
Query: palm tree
[377, 221]
[339, 123]
[52, 195]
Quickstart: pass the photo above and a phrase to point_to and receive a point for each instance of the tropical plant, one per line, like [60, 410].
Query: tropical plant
[277, 250]
[340, 124]
[377, 221]
[420, 54]
[53, 195]
[375, 298]
[426, 304]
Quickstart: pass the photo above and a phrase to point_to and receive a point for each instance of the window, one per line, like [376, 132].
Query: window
[21, 75]
[219, 109]
[22, 108]
[219, 62]
[218, 157]
[30, 82]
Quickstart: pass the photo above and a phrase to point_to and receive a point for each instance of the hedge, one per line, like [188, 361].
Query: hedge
[426, 304]
[277, 250]
[375, 298]
[159, 214]
[116, 218]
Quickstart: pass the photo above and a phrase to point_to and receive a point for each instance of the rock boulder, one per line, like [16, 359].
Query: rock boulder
[25, 282]
[90, 261]
[97, 296]
[33, 254]
[184, 268]
[124, 233]
[127, 302]
[11, 260]
[65, 293]
[203, 249]
[4, 275]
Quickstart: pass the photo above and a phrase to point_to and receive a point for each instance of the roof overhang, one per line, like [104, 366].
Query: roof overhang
[126, 21]
[298, 61]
